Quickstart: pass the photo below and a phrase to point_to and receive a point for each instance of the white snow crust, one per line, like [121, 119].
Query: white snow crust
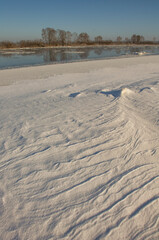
[79, 151]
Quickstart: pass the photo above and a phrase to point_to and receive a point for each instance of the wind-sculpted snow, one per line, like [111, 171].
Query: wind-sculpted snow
[79, 154]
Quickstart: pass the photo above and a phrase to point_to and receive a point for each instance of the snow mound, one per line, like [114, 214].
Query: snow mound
[126, 91]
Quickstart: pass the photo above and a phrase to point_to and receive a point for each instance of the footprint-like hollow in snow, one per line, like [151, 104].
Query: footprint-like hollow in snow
[117, 92]
[145, 88]
[73, 95]
[114, 93]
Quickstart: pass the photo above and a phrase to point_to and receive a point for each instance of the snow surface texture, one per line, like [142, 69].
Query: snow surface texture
[79, 151]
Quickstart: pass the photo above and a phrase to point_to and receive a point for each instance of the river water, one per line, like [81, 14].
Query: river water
[30, 57]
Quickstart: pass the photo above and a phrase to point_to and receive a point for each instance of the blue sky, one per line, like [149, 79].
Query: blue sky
[109, 18]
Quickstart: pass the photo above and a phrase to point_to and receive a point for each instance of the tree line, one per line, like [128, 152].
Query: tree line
[60, 37]
[52, 37]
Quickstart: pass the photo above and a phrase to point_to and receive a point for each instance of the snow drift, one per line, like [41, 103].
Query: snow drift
[79, 150]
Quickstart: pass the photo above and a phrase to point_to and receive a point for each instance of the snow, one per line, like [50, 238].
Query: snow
[79, 150]
[16, 52]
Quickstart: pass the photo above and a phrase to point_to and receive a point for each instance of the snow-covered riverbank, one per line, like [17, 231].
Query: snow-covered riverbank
[79, 150]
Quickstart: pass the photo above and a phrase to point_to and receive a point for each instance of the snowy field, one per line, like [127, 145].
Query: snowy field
[79, 151]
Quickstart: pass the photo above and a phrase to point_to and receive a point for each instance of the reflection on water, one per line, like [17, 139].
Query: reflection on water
[65, 55]
[29, 57]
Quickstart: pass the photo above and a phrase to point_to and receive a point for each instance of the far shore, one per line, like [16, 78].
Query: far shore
[82, 46]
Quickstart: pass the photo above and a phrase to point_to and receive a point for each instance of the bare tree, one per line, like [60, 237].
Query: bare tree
[49, 35]
[98, 39]
[127, 40]
[83, 38]
[133, 38]
[119, 39]
[68, 37]
[137, 39]
[142, 39]
[44, 35]
[61, 37]
[74, 37]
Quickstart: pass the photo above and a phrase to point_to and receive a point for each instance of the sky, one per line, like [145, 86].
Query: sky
[24, 20]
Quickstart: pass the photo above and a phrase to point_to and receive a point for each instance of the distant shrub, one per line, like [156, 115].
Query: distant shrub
[7, 44]
[29, 43]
